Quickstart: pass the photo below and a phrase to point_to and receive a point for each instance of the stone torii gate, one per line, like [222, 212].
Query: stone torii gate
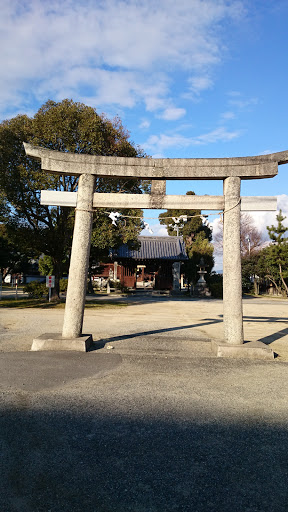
[87, 167]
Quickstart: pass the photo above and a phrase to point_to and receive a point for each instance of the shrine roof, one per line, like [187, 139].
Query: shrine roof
[156, 248]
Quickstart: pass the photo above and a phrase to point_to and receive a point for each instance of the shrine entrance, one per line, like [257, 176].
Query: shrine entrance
[154, 263]
[87, 167]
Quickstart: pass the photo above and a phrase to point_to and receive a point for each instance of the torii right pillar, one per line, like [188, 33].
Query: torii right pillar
[232, 278]
[233, 345]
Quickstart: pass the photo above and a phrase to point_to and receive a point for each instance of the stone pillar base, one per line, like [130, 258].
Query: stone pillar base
[54, 341]
[249, 350]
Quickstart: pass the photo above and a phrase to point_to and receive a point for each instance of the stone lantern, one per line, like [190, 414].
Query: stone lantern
[201, 289]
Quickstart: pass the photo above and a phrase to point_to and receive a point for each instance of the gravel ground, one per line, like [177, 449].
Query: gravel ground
[156, 423]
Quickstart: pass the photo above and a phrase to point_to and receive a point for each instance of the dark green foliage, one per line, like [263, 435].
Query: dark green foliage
[250, 269]
[275, 257]
[276, 233]
[273, 265]
[198, 247]
[187, 229]
[64, 126]
[35, 290]
[12, 260]
[247, 284]
[63, 284]
[215, 284]
[45, 265]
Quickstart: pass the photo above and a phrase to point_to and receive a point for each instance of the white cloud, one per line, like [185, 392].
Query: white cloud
[282, 203]
[158, 143]
[216, 225]
[220, 134]
[228, 115]
[234, 94]
[107, 52]
[197, 84]
[172, 113]
[266, 152]
[218, 263]
[237, 100]
[157, 229]
[145, 124]
[155, 95]
[264, 219]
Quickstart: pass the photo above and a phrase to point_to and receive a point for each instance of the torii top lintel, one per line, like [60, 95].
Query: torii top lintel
[251, 167]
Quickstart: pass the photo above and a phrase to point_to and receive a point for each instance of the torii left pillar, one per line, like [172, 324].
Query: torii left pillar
[72, 337]
[77, 283]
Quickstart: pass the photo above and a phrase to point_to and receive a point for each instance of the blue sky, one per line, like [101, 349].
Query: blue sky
[192, 78]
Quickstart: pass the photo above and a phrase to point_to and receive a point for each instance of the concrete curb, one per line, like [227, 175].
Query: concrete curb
[249, 350]
[54, 341]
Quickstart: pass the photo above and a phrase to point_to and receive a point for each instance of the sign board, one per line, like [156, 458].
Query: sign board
[50, 281]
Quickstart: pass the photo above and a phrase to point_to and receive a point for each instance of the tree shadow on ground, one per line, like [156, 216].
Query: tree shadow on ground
[68, 461]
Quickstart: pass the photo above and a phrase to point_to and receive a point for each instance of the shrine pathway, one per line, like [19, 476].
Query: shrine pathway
[264, 319]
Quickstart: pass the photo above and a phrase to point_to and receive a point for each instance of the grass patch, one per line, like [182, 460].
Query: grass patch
[24, 302]
[104, 303]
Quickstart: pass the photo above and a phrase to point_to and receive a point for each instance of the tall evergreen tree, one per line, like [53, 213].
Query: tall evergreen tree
[275, 257]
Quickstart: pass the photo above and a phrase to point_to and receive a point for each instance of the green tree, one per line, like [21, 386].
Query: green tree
[250, 268]
[273, 260]
[64, 126]
[12, 260]
[276, 233]
[197, 248]
[187, 229]
[45, 265]
[196, 234]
